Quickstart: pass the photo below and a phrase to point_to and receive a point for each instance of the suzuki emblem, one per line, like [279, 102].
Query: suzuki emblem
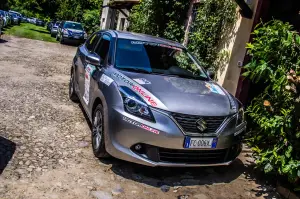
[201, 125]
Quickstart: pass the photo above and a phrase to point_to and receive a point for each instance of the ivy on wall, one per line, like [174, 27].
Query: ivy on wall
[213, 24]
[167, 19]
[160, 18]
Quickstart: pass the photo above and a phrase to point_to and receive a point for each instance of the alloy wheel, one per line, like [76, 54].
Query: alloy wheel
[97, 129]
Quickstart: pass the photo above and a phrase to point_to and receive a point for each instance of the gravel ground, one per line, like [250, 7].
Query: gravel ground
[45, 149]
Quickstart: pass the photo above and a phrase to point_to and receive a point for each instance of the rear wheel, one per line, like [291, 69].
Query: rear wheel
[72, 94]
[98, 142]
[56, 37]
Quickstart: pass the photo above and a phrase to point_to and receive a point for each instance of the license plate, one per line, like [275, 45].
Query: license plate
[200, 143]
[76, 37]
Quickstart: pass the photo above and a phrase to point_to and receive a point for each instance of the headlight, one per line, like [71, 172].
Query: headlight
[241, 116]
[65, 32]
[134, 105]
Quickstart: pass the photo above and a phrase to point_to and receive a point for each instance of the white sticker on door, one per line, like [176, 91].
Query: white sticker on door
[106, 80]
[89, 70]
[142, 81]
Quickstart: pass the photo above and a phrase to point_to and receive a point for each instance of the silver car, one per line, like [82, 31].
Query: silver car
[54, 29]
[150, 102]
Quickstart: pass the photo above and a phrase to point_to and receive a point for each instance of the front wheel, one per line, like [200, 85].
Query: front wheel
[57, 37]
[98, 142]
[72, 94]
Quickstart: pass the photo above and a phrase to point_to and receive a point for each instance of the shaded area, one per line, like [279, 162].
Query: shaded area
[179, 176]
[3, 41]
[7, 150]
[40, 31]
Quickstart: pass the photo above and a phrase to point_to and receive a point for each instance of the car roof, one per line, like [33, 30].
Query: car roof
[143, 37]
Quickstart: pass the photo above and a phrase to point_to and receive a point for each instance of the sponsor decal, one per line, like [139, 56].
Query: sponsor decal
[155, 44]
[143, 126]
[137, 89]
[142, 81]
[147, 97]
[89, 70]
[106, 80]
[214, 88]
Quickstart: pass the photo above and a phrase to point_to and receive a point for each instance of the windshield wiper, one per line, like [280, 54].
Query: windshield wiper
[139, 70]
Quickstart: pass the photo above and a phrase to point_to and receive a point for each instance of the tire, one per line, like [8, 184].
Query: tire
[52, 35]
[57, 37]
[72, 93]
[98, 141]
[61, 41]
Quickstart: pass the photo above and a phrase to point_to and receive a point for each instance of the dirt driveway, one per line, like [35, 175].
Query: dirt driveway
[45, 149]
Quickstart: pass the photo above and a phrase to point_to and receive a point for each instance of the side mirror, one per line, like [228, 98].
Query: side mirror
[92, 59]
[211, 73]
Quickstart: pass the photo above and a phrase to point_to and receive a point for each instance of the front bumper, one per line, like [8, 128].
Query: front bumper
[162, 142]
[73, 39]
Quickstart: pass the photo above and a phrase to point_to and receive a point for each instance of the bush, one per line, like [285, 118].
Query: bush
[273, 116]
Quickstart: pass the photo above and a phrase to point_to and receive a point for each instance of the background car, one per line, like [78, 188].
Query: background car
[50, 25]
[4, 17]
[70, 31]
[54, 29]
[39, 22]
[1, 24]
[15, 19]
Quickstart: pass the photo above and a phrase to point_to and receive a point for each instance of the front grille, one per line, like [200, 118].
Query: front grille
[188, 122]
[188, 156]
[193, 156]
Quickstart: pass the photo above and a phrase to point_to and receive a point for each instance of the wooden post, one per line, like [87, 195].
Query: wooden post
[188, 22]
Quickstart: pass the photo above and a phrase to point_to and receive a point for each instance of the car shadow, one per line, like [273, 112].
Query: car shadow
[2, 41]
[7, 150]
[176, 176]
[40, 31]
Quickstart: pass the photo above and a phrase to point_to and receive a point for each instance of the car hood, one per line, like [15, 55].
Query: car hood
[75, 31]
[181, 95]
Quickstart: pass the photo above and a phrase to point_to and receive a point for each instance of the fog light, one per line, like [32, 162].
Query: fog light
[138, 147]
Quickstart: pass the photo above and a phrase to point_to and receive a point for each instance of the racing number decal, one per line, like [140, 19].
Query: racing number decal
[89, 70]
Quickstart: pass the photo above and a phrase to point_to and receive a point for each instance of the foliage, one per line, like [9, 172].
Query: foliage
[213, 21]
[30, 31]
[160, 18]
[167, 19]
[275, 132]
[84, 11]
[91, 20]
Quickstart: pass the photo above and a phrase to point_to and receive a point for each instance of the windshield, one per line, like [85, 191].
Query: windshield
[157, 58]
[76, 26]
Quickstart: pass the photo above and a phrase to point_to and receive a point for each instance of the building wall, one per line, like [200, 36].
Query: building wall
[119, 22]
[105, 16]
[234, 50]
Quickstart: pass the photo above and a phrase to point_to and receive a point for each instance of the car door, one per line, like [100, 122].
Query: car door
[102, 51]
[85, 51]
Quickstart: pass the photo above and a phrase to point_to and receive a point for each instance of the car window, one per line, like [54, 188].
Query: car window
[92, 41]
[103, 48]
[157, 58]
